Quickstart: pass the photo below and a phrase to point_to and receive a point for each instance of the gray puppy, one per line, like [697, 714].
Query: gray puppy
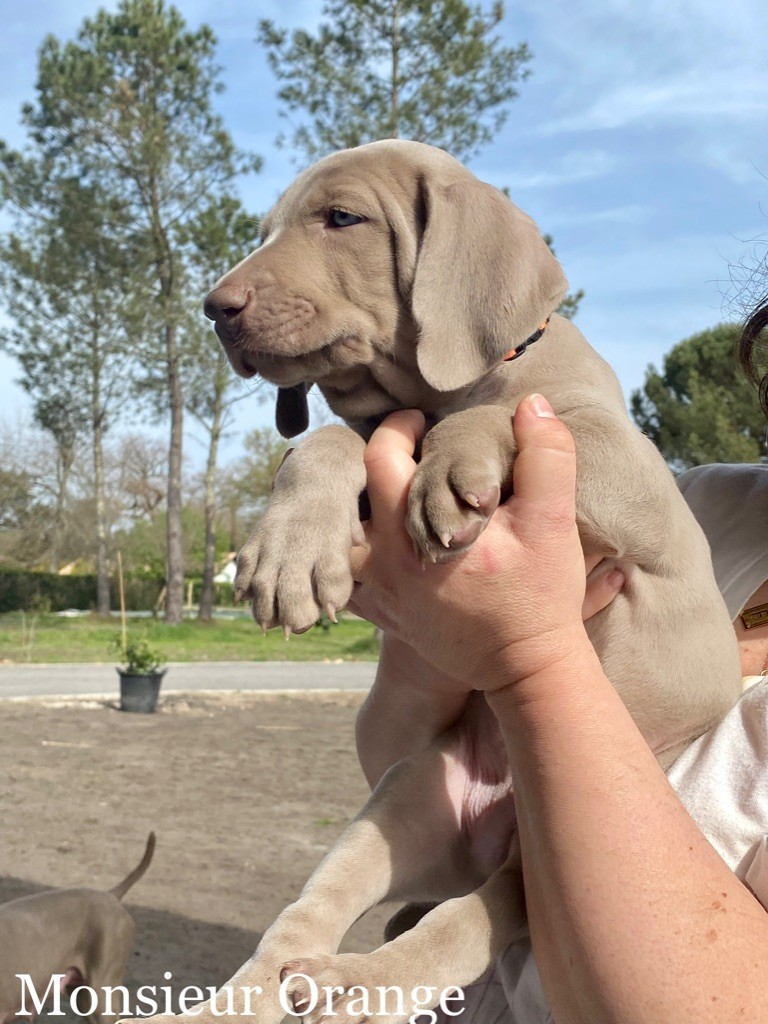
[85, 935]
[392, 278]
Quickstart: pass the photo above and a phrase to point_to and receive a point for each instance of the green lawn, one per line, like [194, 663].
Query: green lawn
[49, 638]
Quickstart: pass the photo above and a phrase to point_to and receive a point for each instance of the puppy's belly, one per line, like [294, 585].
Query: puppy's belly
[480, 786]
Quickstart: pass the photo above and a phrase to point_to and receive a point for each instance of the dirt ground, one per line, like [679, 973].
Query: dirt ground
[246, 793]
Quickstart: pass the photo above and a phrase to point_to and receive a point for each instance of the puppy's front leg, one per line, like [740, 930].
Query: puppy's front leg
[295, 564]
[466, 463]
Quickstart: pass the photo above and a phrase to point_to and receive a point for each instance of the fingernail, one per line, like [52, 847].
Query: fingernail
[615, 579]
[541, 406]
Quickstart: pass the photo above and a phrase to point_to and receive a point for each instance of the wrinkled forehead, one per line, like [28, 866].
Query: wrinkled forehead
[361, 180]
[345, 182]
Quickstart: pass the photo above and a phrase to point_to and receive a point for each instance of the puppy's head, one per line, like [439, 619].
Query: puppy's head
[390, 252]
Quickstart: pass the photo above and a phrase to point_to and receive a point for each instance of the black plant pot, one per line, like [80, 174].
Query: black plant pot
[139, 692]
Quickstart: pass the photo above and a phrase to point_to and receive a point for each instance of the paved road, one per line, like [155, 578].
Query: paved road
[74, 680]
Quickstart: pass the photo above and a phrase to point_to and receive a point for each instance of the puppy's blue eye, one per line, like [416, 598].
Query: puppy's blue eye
[342, 219]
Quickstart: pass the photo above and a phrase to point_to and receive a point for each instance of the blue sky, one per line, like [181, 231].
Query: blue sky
[639, 142]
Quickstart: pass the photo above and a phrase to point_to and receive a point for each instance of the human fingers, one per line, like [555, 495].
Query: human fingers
[389, 467]
[601, 590]
[544, 475]
[591, 562]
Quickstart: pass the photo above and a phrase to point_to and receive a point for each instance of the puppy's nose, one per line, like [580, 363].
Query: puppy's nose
[226, 302]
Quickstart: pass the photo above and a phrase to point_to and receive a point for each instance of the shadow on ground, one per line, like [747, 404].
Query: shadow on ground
[246, 793]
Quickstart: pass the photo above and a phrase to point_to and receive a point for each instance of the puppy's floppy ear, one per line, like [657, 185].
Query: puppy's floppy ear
[485, 280]
[292, 410]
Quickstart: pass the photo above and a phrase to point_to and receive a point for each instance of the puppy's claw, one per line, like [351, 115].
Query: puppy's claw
[485, 501]
[445, 540]
[287, 632]
[264, 627]
[330, 611]
[300, 999]
[468, 534]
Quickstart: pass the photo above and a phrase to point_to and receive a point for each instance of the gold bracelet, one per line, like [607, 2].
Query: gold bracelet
[756, 616]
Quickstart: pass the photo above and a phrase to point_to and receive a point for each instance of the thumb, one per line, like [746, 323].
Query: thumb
[544, 473]
[390, 465]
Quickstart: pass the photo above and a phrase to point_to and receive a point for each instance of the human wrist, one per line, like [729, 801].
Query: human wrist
[537, 676]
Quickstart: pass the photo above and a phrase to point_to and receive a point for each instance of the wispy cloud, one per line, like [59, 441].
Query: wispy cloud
[630, 214]
[578, 165]
[617, 63]
[687, 96]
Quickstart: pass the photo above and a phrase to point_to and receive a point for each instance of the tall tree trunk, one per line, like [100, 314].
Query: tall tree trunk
[97, 421]
[65, 460]
[174, 601]
[394, 98]
[102, 562]
[209, 564]
[233, 532]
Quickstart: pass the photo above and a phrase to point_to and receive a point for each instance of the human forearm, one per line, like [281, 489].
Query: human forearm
[634, 917]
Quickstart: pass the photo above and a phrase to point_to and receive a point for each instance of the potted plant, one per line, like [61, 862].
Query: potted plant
[140, 675]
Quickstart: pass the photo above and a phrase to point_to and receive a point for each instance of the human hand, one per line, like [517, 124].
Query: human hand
[514, 602]
[604, 582]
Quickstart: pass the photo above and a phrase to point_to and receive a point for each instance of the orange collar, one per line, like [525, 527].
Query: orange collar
[515, 352]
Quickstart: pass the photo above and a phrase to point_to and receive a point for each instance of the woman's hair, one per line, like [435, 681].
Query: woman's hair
[753, 361]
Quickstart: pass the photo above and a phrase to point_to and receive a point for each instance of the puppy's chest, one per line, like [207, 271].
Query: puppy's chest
[364, 396]
[479, 784]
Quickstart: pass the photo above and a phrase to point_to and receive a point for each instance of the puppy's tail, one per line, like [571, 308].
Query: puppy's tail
[122, 887]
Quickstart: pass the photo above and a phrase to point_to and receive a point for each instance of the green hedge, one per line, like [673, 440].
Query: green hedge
[21, 590]
[48, 592]
[224, 594]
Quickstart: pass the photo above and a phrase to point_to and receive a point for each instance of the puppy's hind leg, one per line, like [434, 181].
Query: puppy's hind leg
[405, 844]
[106, 965]
[450, 947]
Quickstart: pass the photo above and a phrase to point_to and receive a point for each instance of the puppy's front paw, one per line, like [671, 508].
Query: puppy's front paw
[295, 565]
[452, 497]
[357, 988]
[322, 988]
[163, 1018]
